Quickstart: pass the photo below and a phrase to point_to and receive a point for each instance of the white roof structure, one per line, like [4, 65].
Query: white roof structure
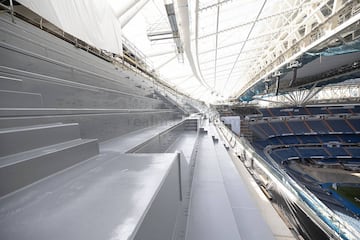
[214, 50]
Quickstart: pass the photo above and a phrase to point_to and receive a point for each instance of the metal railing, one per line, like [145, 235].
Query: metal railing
[330, 222]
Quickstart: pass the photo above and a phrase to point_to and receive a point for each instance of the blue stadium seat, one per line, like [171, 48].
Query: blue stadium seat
[298, 127]
[265, 112]
[338, 110]
[265, 128]
[355, 123]
[279, 112]
[317, 111]
[339, 125]
[285, 153]
[289, 139]
[280, 127]
[356, 109]
[307, 152]
[275, 141]
[337, 151]
[329, 138]
[355, 151]
[300, 111]
[317, 126]
[350, 138]
[306, 139]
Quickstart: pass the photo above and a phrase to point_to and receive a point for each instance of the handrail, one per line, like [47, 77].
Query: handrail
[10, 9]
[320, 213]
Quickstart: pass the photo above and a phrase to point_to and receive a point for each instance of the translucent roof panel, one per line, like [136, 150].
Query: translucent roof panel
[226, 42]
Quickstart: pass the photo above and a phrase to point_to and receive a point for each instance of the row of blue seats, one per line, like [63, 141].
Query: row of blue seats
[309, 139]
[277, 128]
[308, 152]
[273, 112]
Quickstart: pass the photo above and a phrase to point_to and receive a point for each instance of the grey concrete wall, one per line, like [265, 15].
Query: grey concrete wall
[160, 219]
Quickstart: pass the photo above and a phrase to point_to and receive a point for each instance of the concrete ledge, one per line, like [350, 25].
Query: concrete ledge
[111, 196]
[21, 139]
[20, 170]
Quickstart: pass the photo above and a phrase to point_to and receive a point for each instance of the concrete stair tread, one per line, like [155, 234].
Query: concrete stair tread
[34, 127]
[23, 169]
[129, 142]
[40, 36]
[9, 98]
[20, 139]
[24, 156]
[6, 112]
[10, 83]
[49, 66]
[110, 195]
[25, 75]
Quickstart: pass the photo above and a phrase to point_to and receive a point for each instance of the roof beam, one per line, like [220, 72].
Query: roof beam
[128, 15]
[218, 4]
[331, 26]
[247, 37]
[216, 40]
[279, 14]
[267, 58]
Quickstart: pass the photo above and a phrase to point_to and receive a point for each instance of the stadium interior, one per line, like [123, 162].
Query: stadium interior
[179, 119]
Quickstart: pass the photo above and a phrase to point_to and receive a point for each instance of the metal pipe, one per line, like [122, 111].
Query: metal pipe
[4, 6]
[12, 11]
[121, 9]
[294, 76]
[277, 85]
[126, 17]
[243, 46]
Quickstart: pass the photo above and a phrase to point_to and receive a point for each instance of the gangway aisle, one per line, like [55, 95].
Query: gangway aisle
[210, 213]
[221, 206]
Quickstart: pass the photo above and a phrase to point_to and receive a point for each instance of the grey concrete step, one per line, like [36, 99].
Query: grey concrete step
[58, 92]
[191, 124]
[31, 112]
[102, 125]
[51, 41]
[10, 83]
[111, 196]
[32, 62]
[23, 34]
[16, 140]
[22, 169]
[11, 99]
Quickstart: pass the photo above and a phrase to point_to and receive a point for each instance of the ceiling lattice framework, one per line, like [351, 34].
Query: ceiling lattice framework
[237, 41]
[230, 45]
